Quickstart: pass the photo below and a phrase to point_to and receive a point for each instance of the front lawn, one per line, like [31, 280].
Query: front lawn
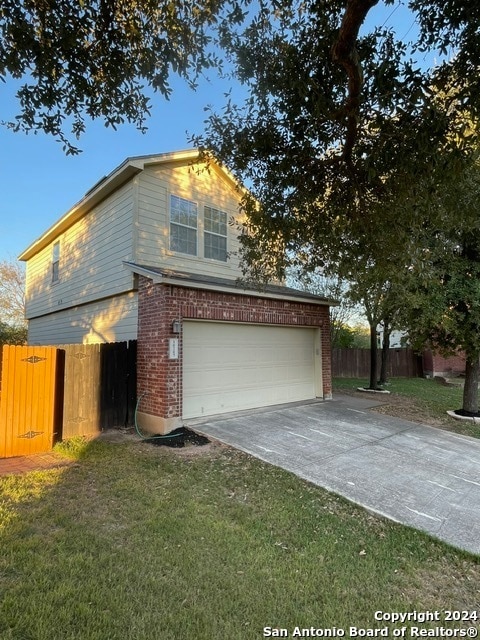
[136, 542]
[417, 399]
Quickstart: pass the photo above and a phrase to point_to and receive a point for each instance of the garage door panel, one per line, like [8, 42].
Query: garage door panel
[228, 367]
[232, 379]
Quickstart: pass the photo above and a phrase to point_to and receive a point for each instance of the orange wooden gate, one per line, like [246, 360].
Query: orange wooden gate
[31, 399]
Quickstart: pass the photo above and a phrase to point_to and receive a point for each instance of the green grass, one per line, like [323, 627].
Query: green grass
[418, 399]
[139, 542]
[431, 393]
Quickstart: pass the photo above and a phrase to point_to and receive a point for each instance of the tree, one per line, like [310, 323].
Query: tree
[99, 58]
[12, 335]
[365, 287]
[12, 293]
[443, 305]
[336, 123]
[345, 140]
[342, 315]
[388, 325]
[375, 286]
[351, 337]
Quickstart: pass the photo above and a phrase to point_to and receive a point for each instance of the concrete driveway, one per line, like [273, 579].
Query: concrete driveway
[417, 475]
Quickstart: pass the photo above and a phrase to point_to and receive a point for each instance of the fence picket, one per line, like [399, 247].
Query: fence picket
[97, 393]
[355, 363]
[66, 390]
[28, 416]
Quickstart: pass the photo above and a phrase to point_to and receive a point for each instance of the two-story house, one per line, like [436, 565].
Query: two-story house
[150, 253]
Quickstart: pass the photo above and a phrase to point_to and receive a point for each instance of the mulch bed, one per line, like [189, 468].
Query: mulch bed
[467, 414]
[179, 438]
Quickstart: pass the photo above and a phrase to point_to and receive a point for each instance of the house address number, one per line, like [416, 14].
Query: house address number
[173, 349]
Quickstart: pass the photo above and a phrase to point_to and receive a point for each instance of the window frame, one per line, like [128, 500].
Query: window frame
[55, 262]
[215, 234]
[181, 225]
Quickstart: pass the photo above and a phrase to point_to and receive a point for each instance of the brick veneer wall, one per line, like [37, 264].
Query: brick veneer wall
[159, 379]
[437, 365]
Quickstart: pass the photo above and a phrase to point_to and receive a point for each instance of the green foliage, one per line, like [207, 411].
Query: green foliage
[347, 142]
[12, 334]
[343, 315]
[361, 337]
[73, 448]
[348, 337]
[343, 336]
[444, 285]
[94, 58]
[442, 302]
[323, 158]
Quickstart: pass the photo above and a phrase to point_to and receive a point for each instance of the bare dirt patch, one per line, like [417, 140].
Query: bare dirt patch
[191, 447]
[456, 586]
[402, 407]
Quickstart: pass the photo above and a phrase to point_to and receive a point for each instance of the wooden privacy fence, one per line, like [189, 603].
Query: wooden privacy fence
[50, 393]
[100, 387]
[30, 400]
[355, 363]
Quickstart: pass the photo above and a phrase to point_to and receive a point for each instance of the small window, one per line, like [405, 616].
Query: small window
[215, 236]
[55, 262]
[183, 226]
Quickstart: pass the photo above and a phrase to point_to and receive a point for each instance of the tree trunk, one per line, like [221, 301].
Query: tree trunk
[385, 353]
[373, 356]
[470, 389]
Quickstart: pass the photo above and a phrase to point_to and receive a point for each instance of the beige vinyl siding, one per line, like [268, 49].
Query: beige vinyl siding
[112, 320]
[91, 255]
[155, 185]
[152, 231]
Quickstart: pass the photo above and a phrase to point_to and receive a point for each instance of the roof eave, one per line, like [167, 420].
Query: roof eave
[127, 170]
[106, 186]
[159, 278]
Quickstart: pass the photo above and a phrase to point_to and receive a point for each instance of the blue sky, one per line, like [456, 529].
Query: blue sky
[38, 183]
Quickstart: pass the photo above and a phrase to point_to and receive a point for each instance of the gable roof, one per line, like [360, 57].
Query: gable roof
[213, 283]
[108, 184]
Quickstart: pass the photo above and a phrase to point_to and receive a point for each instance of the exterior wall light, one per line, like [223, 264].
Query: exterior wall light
[176, 326]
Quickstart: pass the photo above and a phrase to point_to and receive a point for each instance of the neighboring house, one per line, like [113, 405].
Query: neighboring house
[398, 339]
[150, 253]
[435, 364]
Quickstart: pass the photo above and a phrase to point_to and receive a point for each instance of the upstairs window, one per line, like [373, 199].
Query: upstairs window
[215, 234]
[55, 262]
[183, 226]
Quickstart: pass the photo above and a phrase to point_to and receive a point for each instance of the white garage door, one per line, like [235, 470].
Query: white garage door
[227, 367]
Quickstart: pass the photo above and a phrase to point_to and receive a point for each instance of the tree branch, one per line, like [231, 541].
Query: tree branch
[344, 52]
